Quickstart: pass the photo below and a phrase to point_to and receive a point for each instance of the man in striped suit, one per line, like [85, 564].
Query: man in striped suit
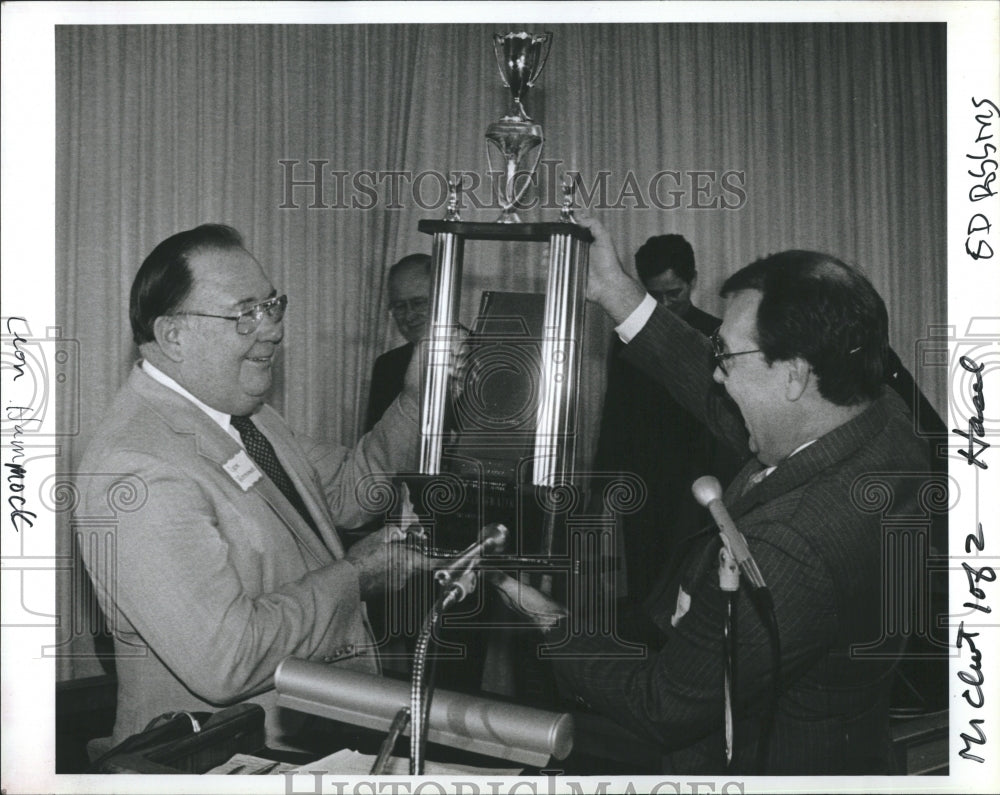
[795, 378]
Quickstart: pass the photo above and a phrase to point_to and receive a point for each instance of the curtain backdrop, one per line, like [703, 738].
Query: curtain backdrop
[747, 139]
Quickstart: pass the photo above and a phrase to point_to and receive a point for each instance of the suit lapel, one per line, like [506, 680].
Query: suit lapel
[265, 488]
[802, 467]
[790, 474]
[298, 469]
[731, 499]
[218, 447]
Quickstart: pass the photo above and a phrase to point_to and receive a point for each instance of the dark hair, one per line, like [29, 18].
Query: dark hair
[665, 253]
[164, 279]
[826, 312]
[409, 261]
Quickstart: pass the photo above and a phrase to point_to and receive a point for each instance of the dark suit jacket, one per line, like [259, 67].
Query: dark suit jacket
[388, 375]
[646, 432]
[818, 541]
[209, 582]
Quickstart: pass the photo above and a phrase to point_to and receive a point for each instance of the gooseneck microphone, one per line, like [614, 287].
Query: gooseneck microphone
[492, 538]
[708, 493]
[457, 580]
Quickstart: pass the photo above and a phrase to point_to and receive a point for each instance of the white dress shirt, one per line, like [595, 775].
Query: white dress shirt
[218, 417]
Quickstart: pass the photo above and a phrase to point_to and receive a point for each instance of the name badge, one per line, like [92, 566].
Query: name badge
[683, 605]
[242, 470]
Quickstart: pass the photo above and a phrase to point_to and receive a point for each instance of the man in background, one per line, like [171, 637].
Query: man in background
[646, 432]
[409, 305]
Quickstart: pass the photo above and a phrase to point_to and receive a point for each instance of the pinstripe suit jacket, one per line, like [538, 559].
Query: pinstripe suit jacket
[208, 585]
[819, 547]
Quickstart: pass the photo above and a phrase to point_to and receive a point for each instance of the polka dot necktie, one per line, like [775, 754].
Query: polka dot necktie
[263, 454]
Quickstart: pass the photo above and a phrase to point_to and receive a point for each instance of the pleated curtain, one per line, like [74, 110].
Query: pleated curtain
[746, 138]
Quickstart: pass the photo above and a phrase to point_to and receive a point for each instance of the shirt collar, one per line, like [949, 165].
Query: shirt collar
[768, 470]
[801, 447]
[218, 417]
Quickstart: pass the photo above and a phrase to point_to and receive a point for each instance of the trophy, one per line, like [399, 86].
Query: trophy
[499, 426]
[520, 58]
[498, 429]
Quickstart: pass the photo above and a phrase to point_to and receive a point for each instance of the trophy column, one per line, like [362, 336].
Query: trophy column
[553, 452]
[565, 296]
[446, 261]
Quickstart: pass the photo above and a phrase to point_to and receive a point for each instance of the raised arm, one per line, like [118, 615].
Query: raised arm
[665, 347]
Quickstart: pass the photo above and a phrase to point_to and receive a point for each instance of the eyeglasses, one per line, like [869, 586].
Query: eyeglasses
[248, 321]
[720, 354]
[409, 304]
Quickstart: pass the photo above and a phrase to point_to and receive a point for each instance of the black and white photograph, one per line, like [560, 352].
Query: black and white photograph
[493, 398]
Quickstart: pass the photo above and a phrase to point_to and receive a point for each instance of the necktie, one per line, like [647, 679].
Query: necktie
[756, 478]
[263, 454]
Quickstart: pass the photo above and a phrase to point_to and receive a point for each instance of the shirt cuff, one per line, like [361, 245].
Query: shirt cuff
[634, 323]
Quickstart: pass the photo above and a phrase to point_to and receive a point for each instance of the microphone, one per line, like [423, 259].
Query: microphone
[708, 493]
[491, 538]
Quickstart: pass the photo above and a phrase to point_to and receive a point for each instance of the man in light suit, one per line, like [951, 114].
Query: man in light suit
[796, 376]
[229, 559]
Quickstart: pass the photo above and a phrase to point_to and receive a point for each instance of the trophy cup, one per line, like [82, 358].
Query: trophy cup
[520, 58]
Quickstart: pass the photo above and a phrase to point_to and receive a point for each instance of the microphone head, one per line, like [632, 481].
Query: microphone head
[706, 489]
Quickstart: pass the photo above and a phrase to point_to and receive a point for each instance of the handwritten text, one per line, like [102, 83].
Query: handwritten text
[976, 245]
[976, 428]
[974, 677]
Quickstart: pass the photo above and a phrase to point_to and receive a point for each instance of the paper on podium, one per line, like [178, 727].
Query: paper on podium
[248, 765]
[348, 762]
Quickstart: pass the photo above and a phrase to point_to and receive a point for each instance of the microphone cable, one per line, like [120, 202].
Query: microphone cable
[764, 605]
